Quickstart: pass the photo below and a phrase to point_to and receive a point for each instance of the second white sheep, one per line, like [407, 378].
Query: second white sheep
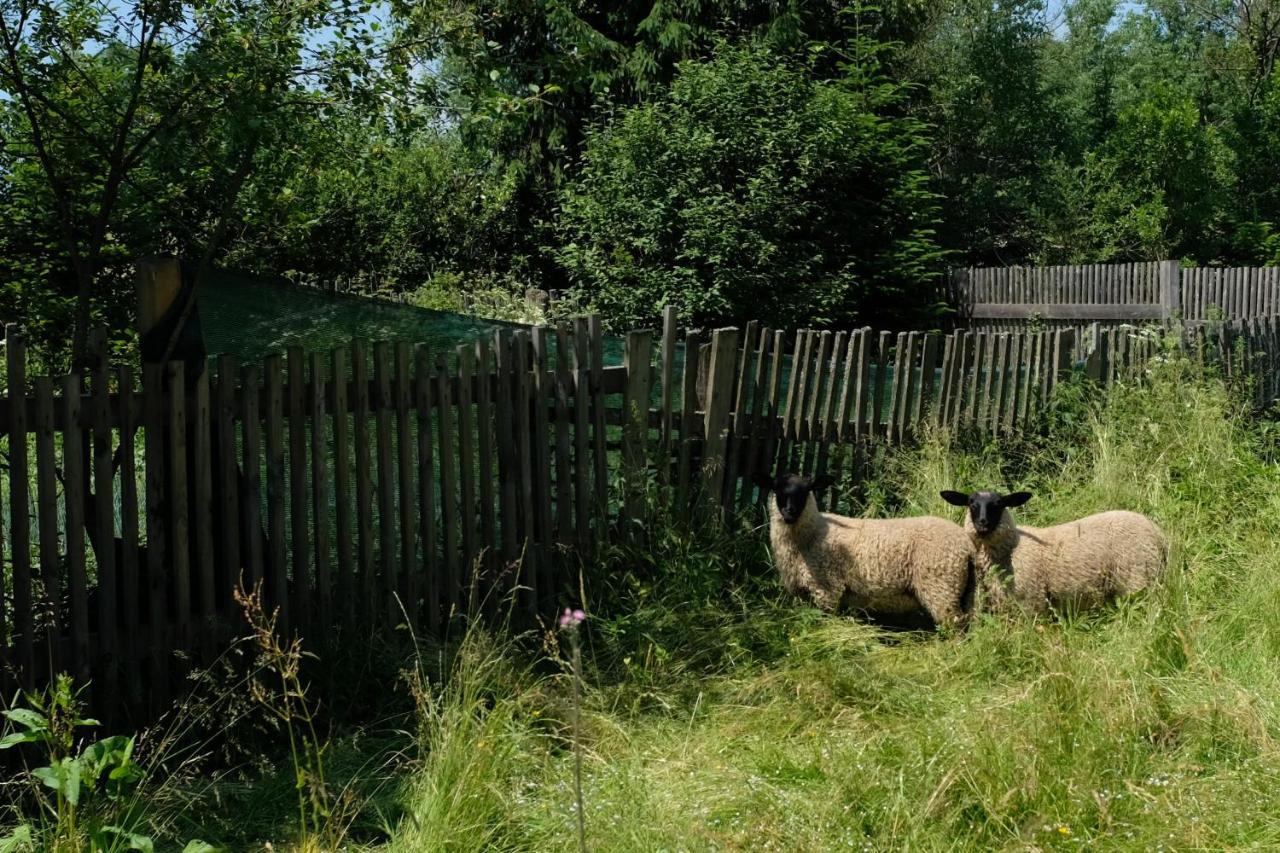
[1080, 564]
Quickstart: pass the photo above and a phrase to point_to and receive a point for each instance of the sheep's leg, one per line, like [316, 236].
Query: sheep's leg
[943, 601]
[1034, 598]
[824, 599]
[803, 585]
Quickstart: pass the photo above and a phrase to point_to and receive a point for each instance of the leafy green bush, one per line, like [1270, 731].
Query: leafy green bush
[1157, 185]
[752, 190]
[86, 797]
[379, 213]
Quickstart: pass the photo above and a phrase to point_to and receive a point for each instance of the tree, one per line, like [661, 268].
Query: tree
[997, 127]
[373, 211]
[1156, 188]
[751, 190]
[524, 81]
[118, 113]
[1255, 138]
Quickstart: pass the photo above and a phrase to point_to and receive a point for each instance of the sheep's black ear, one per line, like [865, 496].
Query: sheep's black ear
[764, 481]
[954, 498]
[1014, 500]
[822, 481]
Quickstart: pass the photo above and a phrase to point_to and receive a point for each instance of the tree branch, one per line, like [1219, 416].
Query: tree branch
[18, 82]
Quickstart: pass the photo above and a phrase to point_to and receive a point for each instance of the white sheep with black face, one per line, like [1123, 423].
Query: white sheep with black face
[896, 565]
[1079, 564]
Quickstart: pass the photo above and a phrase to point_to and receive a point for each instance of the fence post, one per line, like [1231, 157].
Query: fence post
[74, 493]
[635, 432]
[668, 393]
[688, 415]
[103, 536]
[19, 506]
[1093, 359]
[1064, 347]
[962, 294]
[1170, 290]
[158, 282]
[724, 346]
[928, 367]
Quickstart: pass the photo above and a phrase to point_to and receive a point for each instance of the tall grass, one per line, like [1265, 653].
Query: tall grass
[715, 712]
[720, 714]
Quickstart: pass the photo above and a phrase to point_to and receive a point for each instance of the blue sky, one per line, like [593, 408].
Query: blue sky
[1055, 13]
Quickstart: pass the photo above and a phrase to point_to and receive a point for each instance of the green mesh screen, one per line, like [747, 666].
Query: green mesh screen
[251, 318]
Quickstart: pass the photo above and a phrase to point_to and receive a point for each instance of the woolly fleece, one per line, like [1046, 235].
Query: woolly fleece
[893, 565]
[1082, 563]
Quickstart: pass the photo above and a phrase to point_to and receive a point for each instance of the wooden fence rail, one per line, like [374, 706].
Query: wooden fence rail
[368, 485]
[1011, 298]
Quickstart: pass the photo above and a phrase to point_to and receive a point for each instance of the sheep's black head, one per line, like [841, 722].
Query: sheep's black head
[986, 507]
[792, 491]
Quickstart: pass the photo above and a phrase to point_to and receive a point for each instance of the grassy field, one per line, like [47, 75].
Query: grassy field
[718, 714]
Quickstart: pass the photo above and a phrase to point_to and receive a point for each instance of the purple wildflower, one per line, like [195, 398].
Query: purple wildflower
[572, 618]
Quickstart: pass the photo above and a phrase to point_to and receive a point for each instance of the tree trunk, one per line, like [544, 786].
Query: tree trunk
[80, 324]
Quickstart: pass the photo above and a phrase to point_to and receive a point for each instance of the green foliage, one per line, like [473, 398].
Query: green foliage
[524, 83]
[135, 127]
[995, 126]
[525, 78]
[733, 198]
[1254, 133]
[91, 805]
[1115, 132]
[381, 213]
[785, 160]
[1157, 185]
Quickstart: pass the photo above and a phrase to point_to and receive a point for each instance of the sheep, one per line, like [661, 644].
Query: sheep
[878, 565]
[1082, 563]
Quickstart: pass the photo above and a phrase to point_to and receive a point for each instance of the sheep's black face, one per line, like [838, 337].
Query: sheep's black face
[986, 507]
[985, 510]
[792, 492]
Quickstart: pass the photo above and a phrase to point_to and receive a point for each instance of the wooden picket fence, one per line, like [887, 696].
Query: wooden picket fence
[378, 485]
[1011, 298]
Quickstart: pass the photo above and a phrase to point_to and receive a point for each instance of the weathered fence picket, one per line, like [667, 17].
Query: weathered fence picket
[277, 592]
[300, 528]
[405, 592]
[484, 462]
[47, 512]
[452, 589]
[430, 585]
[688, 410]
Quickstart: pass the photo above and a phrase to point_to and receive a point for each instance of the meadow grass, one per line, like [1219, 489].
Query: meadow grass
[718, 714]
